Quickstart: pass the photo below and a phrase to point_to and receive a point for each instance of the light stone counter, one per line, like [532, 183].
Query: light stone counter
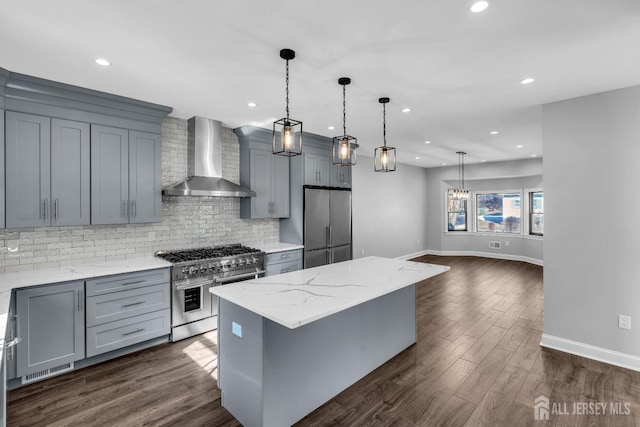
[22, 279]
[300, 297]
[270, 248]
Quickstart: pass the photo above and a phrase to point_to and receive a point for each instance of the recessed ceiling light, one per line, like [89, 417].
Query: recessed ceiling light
[251, 104]
[494, 132]
[417, 158]
[479, 6]
[103, 62]
[534, 155]
[406, 110]
[519, 146]
[331, 127]
[483, 160]
[427, 142]
[527, 81]
[444, 164]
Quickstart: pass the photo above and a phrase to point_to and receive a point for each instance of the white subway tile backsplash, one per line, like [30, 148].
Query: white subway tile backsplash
[186, 221]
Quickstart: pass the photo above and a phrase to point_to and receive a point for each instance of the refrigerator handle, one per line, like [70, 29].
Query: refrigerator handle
[328, 236]
[331, 237]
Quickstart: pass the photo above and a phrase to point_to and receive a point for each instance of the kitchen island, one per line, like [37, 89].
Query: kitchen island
[289, 343]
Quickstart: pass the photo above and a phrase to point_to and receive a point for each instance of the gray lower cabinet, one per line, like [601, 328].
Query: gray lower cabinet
[8, 368]
[47, 171]
[125, 176]
[127, 309]
[51, 325]
[283, 262]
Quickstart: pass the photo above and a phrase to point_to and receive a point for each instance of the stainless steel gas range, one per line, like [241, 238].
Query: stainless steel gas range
[193, 271]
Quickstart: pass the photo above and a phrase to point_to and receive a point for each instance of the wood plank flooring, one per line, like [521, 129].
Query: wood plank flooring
[476, 362]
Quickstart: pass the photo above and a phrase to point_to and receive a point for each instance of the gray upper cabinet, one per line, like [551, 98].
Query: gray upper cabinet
[2, 203]
[51, 325]
[28, 173]
[145, 177]
[317, 169]
[341, 176]
[265, 173]
[47, 171]
[109, 175]
[70, 173]
[125, 176]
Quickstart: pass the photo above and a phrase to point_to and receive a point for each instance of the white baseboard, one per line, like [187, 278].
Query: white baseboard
[413, 255]
[481, 254]
[600, 354]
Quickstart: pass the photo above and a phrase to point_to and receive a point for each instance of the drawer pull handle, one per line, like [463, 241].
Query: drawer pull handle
[134, 332]
[286, 256]
[11, 343]
[133, 303]
[135, 282]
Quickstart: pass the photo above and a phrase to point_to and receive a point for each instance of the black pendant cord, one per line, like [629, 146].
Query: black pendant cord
[344, 110]
[287, 89]
[462, 161]
[384, 124]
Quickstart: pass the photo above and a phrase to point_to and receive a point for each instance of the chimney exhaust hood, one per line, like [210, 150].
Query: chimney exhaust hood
[204, 164]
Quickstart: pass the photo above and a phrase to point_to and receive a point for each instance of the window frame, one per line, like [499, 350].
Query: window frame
[466, 213]
[496, 233]
[530, 193]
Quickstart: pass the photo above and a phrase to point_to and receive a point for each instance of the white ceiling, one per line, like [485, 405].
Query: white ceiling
[459, 72]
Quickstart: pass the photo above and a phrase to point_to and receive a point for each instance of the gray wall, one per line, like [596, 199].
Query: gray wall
[591, 245]
[513, 175]
[389, 210]
[186, 221]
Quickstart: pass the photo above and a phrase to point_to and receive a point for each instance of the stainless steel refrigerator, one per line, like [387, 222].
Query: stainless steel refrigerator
[327, 226]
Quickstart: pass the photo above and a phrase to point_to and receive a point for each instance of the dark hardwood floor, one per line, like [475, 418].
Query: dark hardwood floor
[476, 362]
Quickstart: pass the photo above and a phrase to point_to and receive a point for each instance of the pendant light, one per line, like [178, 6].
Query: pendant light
[384, 159]
[461, 193]
[344, 146]
[287, 133]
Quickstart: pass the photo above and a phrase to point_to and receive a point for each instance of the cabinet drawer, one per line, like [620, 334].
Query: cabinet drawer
[283, 267]
[108, 284]
[285, 256]
[122, 333]
[123, 304]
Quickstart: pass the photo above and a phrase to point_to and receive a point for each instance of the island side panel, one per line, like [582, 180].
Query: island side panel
[306, 366]
[240, 362]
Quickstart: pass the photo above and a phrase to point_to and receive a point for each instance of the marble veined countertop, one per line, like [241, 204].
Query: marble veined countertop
[300, 297]
[22, 279]
[270, 248]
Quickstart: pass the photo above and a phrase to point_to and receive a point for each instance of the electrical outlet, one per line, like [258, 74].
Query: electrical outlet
[152, 236]
[624, 322]
[363, 252]
[236, 329]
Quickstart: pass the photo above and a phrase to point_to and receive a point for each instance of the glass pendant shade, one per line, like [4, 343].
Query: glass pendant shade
[344, 146]
[384, 158]
[287, 132]
[287, 137]
[460, 194]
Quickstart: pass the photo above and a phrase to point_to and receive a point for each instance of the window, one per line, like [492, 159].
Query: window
[457, 212]
[536, 213]
[498, 212]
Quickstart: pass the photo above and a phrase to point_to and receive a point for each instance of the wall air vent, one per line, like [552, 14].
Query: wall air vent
[494, 245]
[46, 373]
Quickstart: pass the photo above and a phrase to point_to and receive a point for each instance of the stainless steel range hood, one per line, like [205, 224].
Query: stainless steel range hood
[204, 164]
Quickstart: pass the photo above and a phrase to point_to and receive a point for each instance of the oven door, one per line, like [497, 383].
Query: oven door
[191, 302]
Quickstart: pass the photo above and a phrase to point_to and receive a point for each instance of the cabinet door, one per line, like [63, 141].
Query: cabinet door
[261, 170]
[51, 325]
[70, 173]
[341, 176]
[324, 169]
[2, 205]
[109, 175]
[280, 189]
[27, 170]
[310, 169]
[145, 185]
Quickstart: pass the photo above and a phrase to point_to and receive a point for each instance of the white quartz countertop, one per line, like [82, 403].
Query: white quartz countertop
[300, 297]
[22, 279]
[270, 248]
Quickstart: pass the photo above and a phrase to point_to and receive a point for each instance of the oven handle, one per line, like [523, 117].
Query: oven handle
[191, 286]
[239, 276]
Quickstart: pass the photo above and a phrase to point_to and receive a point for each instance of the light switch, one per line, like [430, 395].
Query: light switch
[236, 329]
